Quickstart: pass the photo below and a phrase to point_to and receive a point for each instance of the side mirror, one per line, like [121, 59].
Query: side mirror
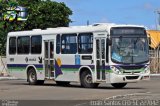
[109, 41]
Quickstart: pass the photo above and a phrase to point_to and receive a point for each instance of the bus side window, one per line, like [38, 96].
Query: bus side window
[85, 43]
[58, 44]
[36, 44]
[12, 45]
[69, 43]
[23, 45]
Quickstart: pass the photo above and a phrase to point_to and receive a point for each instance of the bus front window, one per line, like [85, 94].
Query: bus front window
[129, 50]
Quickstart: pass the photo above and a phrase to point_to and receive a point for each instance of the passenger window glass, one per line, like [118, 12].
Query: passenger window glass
[12, 45]
[68, 44]
[23, 44]
[58, 40]
[36, 44]
[85, 43]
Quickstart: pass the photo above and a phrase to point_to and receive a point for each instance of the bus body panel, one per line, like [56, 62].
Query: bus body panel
[69, 71]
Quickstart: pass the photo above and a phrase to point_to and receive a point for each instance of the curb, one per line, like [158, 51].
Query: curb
[154, 75]
[8, 78]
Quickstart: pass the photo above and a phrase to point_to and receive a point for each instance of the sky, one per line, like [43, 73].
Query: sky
[138, 12]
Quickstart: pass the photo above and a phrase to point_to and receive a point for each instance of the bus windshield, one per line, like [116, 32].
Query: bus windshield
[129, 49]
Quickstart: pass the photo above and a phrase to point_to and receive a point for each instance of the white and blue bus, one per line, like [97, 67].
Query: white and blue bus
[90, 55]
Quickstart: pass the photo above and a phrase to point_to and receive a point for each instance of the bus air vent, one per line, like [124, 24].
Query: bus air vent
[132, 67]
[132, 77]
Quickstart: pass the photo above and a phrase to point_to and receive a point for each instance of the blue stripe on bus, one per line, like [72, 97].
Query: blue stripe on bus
[107, 67]
[76, 66]
[41, 66]
[25, 65]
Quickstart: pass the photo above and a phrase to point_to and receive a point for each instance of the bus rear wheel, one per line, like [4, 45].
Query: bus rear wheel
[86, 80]
[119, 85]
[32, 78]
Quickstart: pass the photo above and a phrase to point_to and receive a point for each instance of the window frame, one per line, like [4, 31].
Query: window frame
[15, 46]
[58, 45]
[80, 43]
[76, 43]
[31, 43]
[29, 51]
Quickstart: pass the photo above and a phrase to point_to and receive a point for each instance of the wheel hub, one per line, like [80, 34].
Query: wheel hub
[32, 77]
[88, 78]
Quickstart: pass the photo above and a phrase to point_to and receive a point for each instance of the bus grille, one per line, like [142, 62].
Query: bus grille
[130, 72]
[132, 67]
[132, 77]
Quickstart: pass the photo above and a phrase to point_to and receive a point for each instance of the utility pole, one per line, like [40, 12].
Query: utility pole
[157, 12]
[87, 22]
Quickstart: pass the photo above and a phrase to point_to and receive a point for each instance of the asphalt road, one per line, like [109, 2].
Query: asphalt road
[75, 95]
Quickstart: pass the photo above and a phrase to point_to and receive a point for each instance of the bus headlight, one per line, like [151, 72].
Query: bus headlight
[115, 70]
[146, 70]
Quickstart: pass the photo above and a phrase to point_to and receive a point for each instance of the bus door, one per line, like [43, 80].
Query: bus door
[100, 58]
[49, 58]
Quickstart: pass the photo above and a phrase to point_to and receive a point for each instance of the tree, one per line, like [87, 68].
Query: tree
[44, 14]
[3, 28]
[41, 14]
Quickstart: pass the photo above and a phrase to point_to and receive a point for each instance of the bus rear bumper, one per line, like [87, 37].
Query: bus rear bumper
[114, 78]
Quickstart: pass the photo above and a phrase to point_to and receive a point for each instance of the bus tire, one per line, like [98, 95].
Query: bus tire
[62, 83]
[32, 77]
[119, 85]
[86, 80]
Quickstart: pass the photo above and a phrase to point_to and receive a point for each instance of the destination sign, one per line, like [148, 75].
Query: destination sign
[128, 31]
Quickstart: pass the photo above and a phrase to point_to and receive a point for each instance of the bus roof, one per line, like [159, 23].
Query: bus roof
[73, 29]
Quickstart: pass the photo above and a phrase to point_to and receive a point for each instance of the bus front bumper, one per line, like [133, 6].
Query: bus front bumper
[130, 78]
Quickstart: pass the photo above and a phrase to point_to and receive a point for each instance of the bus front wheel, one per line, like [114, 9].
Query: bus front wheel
[119, 85]
[86, 80]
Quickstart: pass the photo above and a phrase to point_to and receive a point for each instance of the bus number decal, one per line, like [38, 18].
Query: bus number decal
[77, 59]
[11, 59]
